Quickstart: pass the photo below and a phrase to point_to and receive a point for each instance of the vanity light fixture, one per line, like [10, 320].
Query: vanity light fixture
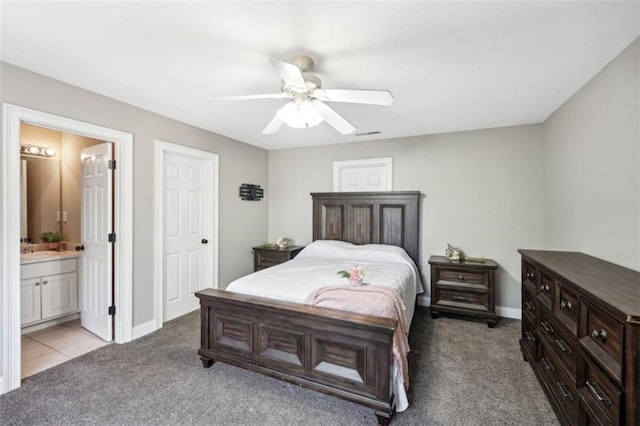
[40, 151]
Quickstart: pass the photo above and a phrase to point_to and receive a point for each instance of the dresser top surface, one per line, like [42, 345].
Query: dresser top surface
[613, 284]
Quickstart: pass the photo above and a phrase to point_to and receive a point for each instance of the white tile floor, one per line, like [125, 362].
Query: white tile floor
[47, 348]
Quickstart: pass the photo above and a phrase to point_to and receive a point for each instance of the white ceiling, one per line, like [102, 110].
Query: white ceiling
[451, 66]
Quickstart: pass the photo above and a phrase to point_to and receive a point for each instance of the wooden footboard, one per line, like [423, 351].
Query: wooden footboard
[338, 353]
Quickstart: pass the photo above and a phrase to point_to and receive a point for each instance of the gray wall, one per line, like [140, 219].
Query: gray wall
[242, 224]
[591, 163]
[482, 191]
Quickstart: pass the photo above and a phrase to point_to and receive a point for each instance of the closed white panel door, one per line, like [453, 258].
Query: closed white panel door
[97, 258]
[187, 231]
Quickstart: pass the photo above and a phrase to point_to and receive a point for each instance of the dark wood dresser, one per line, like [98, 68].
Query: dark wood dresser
[264, 257]
[581, 335]
[465, 288]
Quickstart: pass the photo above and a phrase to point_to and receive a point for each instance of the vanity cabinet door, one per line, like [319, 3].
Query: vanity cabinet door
[59, 294]
[29, 301]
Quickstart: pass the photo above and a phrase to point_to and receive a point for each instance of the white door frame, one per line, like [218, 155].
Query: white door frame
[13, 116]
[160, 149]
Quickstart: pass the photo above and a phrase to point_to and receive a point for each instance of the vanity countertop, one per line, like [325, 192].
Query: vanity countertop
[46, 256]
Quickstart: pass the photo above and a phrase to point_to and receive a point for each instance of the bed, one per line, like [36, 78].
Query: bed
[347, 355]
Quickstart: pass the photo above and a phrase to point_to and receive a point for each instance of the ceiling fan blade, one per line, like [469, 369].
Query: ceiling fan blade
[334, 119]
[247, 97]
[290, 73]
[372, 97]
[273, 126]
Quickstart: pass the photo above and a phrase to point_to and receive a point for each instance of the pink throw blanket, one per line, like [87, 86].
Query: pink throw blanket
[371, 300]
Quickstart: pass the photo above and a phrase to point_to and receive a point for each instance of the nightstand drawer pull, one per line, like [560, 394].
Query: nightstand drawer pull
[547, 327]
[530, 306]
[599, 334]
[595, 390]
[461, 298]
[565, 304]
[530, 336]
[548, 365]
[563, 346]
[563, 391]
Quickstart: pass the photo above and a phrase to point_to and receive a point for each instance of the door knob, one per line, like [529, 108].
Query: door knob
[205, 241]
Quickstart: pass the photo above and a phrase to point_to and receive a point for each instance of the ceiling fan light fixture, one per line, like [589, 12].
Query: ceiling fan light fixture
[299, 115]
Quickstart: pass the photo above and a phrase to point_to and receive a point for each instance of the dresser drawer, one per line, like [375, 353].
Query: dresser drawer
[528, 307]
[451, 296]
[602, 337]
[529, 340]
[565, 306]
[597, 390]
[563, 389]
[563, 343]
[544, 290]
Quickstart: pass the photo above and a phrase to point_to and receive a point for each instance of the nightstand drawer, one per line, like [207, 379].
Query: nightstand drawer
[466, 277]
[272, 257]
[454, 297]
[265, 257]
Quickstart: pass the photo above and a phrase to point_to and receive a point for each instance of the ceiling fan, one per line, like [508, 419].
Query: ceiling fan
[307, 107]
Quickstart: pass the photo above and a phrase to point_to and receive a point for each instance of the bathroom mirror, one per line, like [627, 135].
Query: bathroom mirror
[41, 196]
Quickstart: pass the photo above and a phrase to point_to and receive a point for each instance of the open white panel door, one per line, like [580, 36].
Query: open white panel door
[97, 260]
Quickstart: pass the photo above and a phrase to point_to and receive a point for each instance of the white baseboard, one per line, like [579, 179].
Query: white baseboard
[144, 328]
[501, 311]
[505, 312]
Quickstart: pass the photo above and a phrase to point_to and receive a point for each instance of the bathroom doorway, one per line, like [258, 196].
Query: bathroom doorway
[10, 220]
[60, 318]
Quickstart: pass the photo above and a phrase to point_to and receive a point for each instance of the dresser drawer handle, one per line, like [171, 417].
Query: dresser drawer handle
[563, 346]
[530, 275]
[599, 334]
[461, 298]
[547, 327]
[545, 288]
[530, 337]
[461, 277]
[547, 365]
[565, 304]
[595, 390]
[530, 306]
[563, 391]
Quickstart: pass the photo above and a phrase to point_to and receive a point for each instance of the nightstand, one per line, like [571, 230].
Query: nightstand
[464, 288]
[264, 257]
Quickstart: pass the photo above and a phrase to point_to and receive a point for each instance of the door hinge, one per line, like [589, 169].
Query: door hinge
[112, 237]
[112, 310]
[111, 164]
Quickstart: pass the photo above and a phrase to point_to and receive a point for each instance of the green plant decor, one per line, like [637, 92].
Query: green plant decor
[51, 237]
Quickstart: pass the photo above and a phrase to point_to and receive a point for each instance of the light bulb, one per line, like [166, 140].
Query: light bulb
[299, 115]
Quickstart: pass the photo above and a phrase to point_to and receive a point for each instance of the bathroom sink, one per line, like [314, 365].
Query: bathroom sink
[38, 254]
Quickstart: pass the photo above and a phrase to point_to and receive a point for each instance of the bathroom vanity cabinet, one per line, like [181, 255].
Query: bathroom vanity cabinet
[48, 289]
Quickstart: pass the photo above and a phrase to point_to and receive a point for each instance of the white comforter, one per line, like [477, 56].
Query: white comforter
[317, 266]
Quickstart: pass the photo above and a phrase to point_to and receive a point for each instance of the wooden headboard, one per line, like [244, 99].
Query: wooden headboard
[369, 218]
